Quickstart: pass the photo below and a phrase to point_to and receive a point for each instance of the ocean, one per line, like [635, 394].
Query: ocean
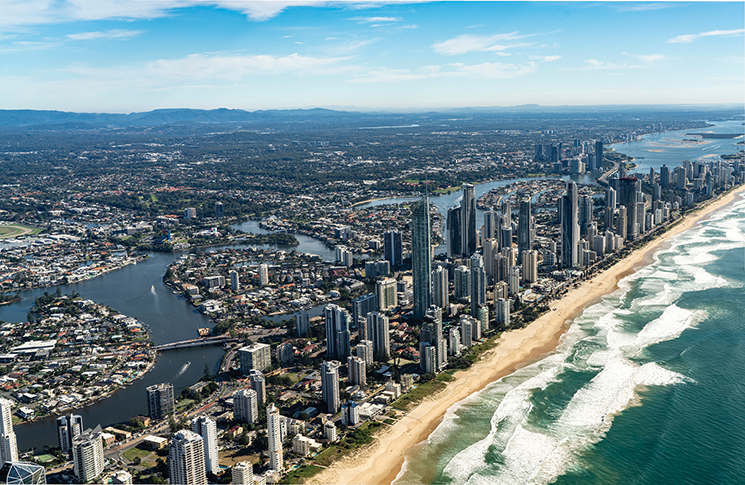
[646, 386]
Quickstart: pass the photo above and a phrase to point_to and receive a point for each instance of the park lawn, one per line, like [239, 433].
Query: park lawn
[418, 394]
[184, 404]
[301, 474]
[136, 452]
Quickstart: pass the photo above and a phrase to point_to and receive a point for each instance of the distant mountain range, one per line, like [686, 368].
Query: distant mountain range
[198, 117]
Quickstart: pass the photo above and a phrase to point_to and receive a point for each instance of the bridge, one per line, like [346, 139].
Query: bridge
[197, 342]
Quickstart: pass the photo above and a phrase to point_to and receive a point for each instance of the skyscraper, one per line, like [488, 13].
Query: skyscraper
[219, 210]
[330, 385]
[160, 401]
[468, 220]
[256, 356]
[263, 274]
[421, 256]
[387, 296]
[8, 445]
[302, 323]
[598, 155]
[361, 306]
[246, 406]
[393, 248]
[530, 266]
[454, 233]
[380, 334]
[235, 280]
[502, 312]
[337, 332]
[87, 454]
[68, 427]
[206, 427]
[258, 384]
[524, 228]
[490, 224]
[356, 370]
[478, 283]
[569, 227]
[186, 459]
[440, 287]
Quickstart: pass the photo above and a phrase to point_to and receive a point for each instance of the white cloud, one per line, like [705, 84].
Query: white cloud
[235, 68]
[372, 20]
[109, 34]
[688, 38]
[648, 58]
[486, 70]
[348, 46]
[545, 58]
[18, 13]
[465, 43]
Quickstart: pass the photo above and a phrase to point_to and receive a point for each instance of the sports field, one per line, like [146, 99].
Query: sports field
[8, 230]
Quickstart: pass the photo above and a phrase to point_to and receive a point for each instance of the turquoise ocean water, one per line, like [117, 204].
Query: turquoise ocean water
[647, 386]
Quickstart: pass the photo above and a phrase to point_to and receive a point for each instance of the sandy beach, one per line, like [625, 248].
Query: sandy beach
[381, 462]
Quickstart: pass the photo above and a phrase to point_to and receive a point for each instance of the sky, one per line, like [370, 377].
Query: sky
[138, 55]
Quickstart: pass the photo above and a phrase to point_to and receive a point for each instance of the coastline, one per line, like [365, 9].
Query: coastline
[383, 460]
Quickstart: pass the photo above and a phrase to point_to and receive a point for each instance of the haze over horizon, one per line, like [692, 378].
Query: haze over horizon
[122, 57]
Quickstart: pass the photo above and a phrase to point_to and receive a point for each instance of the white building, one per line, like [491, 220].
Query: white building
[87, 454]
[8, 445]
[263, 274]
[257, 356]
[186, 459]
[206, 427]
[275, 437]
[330, 385]
[246, 406]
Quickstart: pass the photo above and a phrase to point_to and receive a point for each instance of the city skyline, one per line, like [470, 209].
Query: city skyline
[136, 56]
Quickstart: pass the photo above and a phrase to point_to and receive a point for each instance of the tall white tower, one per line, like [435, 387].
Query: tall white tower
[206, 427]
[186, 459]
[275, 437]
[8, 446]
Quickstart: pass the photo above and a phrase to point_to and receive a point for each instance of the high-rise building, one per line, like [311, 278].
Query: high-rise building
[376, 269]
[490, 224]
[330, 385]
[478, 283]
[514, 280]
[468, 220]
[598, 155]
[505, 237]
[219, 210]
[361, 306]
[243, 473]
[380, 334]
[440, 288]
[8, 445]
[506, 211]
[263, 274]
[337, 332]
[584, 216]
[393, 248]
[206, 427]
[258, 384]
[256, 356]
[665, 176]
[68, 427]
[190, 213]
[569, 227]
[350, 413]
[421, 256]
[22, 472]
[302, 323]
[387, 296]
[186, 464]
[462, 282]
[365, 349]
[235, 280]
[502, 311]
[160, 401]
[87, 455]
[274, 433]
[524, 228]
[357, 371]
[455, 249]
[246, 406]
[530, 266]
[621, 222]
[466, 331]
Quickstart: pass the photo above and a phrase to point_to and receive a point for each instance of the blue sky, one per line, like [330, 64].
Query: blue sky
[137, 55]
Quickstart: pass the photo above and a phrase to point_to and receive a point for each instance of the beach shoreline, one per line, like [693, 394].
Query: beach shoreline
[382, 461]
